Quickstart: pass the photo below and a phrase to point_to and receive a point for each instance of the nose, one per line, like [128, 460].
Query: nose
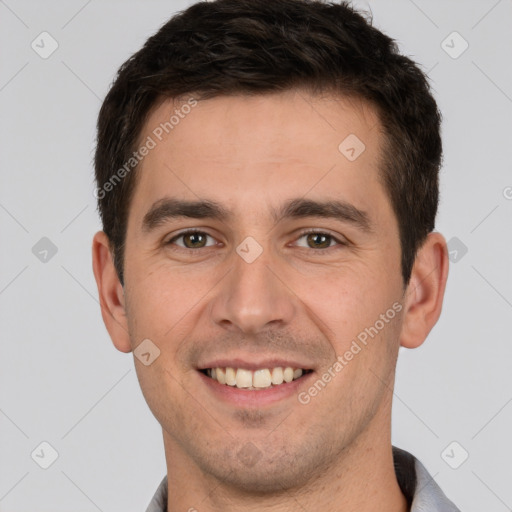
[254, 296]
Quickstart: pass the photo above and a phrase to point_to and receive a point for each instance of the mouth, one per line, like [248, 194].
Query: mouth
[255, 380]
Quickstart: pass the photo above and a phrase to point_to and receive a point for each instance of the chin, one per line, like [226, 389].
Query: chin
[247, 471]
[261, 480]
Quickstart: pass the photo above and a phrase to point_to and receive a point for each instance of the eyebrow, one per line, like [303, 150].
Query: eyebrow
[167, 208]
[334, 209]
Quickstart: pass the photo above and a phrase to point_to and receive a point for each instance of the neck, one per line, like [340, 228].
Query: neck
[361, 479]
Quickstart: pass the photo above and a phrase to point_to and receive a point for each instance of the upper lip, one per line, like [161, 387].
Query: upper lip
[254, 363]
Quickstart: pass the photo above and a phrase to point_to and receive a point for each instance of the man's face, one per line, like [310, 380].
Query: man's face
[251, 291]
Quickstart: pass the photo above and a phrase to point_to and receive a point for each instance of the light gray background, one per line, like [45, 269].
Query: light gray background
[61, 379]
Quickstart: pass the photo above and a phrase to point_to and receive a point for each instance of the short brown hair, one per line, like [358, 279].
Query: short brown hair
[258, 46]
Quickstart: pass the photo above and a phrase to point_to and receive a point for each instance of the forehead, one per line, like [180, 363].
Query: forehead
[245, 149]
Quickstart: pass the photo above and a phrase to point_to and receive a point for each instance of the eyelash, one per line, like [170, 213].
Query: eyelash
[301, 234]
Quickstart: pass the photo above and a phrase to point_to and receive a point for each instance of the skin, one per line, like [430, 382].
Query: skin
[295, 300]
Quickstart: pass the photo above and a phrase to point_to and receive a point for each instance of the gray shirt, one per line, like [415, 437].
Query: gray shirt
[420, 489]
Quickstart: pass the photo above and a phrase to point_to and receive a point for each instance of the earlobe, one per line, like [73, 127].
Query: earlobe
[111, 293]
[423, 298]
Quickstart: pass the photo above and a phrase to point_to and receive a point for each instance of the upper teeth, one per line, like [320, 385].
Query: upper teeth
[262, 378]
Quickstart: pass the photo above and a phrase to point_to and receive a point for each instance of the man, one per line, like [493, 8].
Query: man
[268, 184]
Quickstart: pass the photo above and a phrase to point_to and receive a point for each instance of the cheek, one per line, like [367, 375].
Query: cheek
[163, 393]
[348, 300]
[165, 297]
[359, 314]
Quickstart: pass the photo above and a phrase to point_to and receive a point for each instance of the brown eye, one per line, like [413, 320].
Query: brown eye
[191, 240]
[318, 240]
[194, 240]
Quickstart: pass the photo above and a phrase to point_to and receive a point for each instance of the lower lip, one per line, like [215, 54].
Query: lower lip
[253, 397]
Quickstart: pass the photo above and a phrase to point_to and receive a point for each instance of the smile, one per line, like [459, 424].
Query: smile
[263, 378]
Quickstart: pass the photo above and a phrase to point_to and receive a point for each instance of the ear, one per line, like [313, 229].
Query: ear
[111, 293]
[425, 291]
